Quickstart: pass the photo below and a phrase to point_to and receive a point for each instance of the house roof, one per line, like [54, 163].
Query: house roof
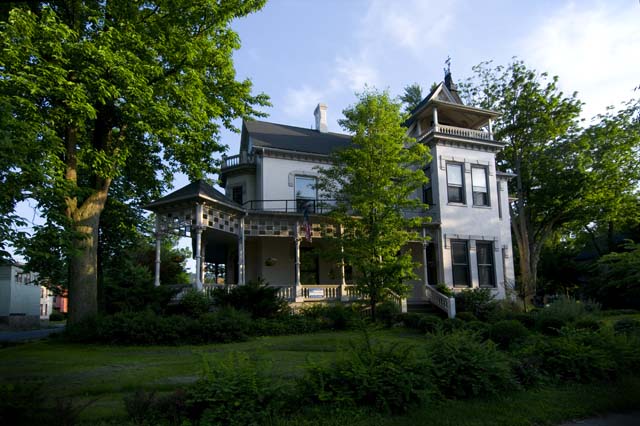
[199, 190]
[290, 138]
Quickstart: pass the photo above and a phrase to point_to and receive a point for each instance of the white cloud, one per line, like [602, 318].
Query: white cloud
[594, 49]
[355, 73]
[299, 103]
[414, 25]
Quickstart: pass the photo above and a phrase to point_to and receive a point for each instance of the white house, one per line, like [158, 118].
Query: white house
[19, 297]
[255, 229]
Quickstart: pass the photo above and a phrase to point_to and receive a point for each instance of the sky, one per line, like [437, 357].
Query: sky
[303, 52]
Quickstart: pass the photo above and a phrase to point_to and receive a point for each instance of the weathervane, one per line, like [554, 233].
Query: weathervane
[447, 70]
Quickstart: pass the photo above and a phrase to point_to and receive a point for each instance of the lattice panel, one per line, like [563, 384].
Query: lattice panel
[178, 219]
[255, 227]
[222, 221]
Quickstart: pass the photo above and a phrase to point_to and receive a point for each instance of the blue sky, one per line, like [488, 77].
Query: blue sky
[302, 52]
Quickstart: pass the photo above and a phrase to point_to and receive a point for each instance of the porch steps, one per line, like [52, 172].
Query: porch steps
[424, 307]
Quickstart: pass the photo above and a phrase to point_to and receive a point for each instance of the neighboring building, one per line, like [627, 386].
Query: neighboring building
[47, 303]
[256, 229]
[19, 297]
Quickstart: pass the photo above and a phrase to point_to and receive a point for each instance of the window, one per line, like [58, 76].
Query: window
[479, 184]
[460, 262]
[486, 269]
[455, 183]
[306, 193]
[236, 194]
[427, 191]
[308, 266]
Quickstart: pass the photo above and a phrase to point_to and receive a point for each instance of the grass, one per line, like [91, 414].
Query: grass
[108, 373]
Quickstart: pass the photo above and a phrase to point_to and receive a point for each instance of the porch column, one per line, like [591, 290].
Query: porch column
[435, 119]
[424, 259]
[296, 241]
[241, 261]
[198, 244]
[156, 280]
[491, 128]
[203, 255]
[343, 279]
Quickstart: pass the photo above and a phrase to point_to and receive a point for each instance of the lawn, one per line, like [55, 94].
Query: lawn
[108, 373]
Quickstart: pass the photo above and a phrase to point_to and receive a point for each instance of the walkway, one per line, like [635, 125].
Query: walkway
[626, 419]
[28, 335]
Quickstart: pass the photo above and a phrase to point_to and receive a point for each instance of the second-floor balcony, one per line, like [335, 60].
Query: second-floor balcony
[300, 205]
[241, 159]
[458, 132]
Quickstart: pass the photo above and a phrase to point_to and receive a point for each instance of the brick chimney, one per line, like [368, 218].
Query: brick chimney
[321, 118]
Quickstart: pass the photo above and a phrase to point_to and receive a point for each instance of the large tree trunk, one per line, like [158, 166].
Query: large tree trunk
[83, 268]
[83, 288]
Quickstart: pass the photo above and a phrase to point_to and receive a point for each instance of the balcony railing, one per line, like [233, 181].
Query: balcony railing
[460, 132]
[237, 160]
[291, 206]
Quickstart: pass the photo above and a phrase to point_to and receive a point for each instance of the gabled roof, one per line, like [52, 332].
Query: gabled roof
[290, 138]
[439, 93]
[199, 190]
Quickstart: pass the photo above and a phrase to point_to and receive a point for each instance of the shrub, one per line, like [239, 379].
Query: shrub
[223, 326]
[466, 316]
[445, 290]
[506, 333]
[336, 316]
[429, 323]
[479, 328]
[567, 358]
[451, 324]
[587, 323]
[626, 326]
[255, 297]
[526, 319]
[194, 303]
[387, 313]
[410, 319]
[465, 367]
[233, 392]
[480, 302]
[390, 378]
[549, 325]
[567, 309]
[56, 316]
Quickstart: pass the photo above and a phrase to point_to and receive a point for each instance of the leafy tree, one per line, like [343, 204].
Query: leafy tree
[566, 176]
[374, 181]
[412, 97]
[95, 91]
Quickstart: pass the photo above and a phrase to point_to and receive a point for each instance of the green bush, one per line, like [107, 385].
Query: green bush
[337, 316]
[255, 297]
[465, 367]
[481, 329]
[56, 316]
[387, 313]
[506, 333]
[480, 302]
[410, 319]
[390, 378]
[466, 316]
[567, 310]
[233, 392]
[626, 326]
[451, 324]
[567, 358]
[446, 290]
[429, 323]
[550, 325]
[194, 303]
[587, 323]
[524, 318]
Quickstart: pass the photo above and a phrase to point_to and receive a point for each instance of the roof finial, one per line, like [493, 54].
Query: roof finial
[447, 70]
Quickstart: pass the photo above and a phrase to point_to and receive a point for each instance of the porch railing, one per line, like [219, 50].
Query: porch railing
[237, 160]
[446, 303]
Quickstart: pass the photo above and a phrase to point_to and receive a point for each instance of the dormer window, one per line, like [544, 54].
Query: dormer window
[455, 183]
